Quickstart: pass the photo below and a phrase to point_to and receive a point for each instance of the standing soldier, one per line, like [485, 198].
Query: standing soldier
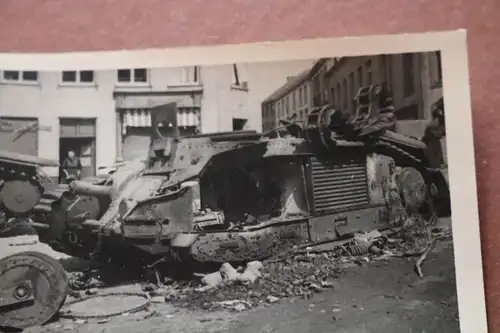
[72, 167]
[434, 132]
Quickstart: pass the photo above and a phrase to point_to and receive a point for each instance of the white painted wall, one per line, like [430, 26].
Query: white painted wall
[48, 100]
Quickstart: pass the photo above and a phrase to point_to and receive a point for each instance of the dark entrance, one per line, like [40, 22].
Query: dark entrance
[239, 124]
[79, 135]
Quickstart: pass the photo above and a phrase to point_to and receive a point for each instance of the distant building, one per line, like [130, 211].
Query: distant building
[414, 79]
[293, 98]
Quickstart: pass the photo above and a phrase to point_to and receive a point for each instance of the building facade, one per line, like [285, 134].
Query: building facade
[104, 115]
[414, 80]
[291, 99]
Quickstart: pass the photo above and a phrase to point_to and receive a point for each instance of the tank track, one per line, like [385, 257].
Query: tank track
[44, 209]
[401, 152]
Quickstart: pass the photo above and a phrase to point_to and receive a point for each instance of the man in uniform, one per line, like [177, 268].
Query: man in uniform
[434, 132]
[72, 166]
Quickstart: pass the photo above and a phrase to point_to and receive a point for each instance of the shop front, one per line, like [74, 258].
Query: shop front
[134, 121]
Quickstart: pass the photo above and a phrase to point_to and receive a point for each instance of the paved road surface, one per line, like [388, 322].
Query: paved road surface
[379, 297]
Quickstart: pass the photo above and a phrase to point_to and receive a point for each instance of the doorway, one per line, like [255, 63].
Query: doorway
[79, 135]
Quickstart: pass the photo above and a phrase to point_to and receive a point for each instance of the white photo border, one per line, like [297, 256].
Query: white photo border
[453, 47]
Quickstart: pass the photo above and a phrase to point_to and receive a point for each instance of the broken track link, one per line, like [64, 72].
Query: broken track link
[413, 159]
[49, 198]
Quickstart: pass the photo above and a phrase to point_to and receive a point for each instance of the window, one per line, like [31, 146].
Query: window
[306, 95]
[332, 95]
[326, 96]
[439, 68]
[301, 96]
[20, 76]
[338, 100]
[85, 77]
[352, 85]
[435, 69]
[136, 76]
[344, 94]
[190, 75]
[292, 96]
[360, 77]
[369, 77]
[389, 71]
[408, 75]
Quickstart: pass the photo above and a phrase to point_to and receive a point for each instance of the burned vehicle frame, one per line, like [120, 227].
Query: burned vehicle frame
[243, 196]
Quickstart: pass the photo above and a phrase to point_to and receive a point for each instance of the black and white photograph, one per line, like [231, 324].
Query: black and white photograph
[301, 195]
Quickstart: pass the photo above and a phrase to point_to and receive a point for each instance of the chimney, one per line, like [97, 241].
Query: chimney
[290, 78]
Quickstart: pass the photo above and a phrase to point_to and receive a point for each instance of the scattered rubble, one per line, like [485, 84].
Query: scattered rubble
[302, 273]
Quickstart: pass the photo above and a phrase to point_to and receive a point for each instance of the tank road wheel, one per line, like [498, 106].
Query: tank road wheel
[33, 289]
[18, 197]
[413, 189]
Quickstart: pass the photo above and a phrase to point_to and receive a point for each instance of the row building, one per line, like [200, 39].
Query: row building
[104, 116]
[414, 80]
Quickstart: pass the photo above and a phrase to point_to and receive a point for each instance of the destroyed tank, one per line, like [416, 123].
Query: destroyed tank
[231, 197]
[240, 196]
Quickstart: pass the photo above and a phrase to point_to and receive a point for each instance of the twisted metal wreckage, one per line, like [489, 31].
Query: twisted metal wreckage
[224, 197]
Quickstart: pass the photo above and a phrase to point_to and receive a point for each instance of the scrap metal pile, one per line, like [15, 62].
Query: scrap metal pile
[238, 197]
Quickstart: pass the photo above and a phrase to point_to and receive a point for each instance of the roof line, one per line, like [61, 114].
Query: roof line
[291, 84]
[288, 86]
